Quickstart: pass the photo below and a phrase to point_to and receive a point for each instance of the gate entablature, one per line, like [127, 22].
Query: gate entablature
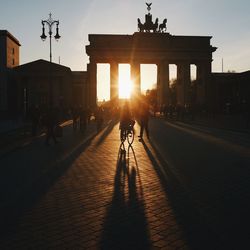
[149, 47]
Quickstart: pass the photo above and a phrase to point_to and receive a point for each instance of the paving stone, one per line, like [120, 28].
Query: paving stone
[101, 201]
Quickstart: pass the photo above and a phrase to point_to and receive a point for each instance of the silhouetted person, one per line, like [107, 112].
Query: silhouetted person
[50, 122]
[99, 118]
[126, 118]
[171, 110]
[144, 117]
[88, 114]
[83, 120]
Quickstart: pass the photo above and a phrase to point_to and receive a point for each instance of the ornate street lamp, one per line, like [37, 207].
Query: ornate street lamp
[50, 23]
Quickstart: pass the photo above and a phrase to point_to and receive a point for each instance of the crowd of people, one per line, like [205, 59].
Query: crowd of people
[49, 120]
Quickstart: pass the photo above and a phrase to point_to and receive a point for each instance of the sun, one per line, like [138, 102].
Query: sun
[125, 88]
[125, 83]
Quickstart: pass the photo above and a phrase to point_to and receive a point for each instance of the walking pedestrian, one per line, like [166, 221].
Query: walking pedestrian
[144, 117]
[83, 120]
[99, 118]
[50, 122]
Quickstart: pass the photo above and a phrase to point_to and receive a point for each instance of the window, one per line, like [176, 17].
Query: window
[13, 61]
[13, 51]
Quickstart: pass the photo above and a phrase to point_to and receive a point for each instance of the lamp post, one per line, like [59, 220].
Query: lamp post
[50, 23]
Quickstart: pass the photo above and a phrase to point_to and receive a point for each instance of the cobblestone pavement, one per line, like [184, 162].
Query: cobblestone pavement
[212, 165]
[185, 188]
[107, 197]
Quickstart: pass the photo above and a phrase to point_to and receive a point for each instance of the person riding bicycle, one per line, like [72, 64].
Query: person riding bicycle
[126, 119]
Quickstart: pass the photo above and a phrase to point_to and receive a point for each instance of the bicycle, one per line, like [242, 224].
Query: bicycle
[127, 133]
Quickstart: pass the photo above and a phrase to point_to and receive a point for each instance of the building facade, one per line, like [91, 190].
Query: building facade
[41, 83]
[231, 92]
[37, 83]
[80, 89]
[9, 58]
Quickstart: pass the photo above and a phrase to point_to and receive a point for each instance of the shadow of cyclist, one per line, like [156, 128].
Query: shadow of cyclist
[125, 225]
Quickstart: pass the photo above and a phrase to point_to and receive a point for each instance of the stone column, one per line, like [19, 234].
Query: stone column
[203, 86]
[163, 92]
[114, 80]
[200, 90]
[136, 78]
[87, 87]
[183, 83]
[92, 69]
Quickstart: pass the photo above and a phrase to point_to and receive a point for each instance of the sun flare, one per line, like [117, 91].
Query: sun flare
[125, 83]
[125, 88]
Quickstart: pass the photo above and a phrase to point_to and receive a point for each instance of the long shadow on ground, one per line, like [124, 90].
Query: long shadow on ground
[216, 182]
[31, 193]
[125, 225]
[197, 234]
[106, 131]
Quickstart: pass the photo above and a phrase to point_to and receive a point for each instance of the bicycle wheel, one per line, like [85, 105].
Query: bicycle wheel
[130, 136]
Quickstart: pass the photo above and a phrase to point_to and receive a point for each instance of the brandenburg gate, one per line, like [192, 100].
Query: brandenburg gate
[153, 45]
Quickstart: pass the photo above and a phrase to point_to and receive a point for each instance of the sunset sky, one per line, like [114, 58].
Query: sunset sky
[226, 21]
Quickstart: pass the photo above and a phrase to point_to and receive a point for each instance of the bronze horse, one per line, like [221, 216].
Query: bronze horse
[140, 25]
[163, 27]
[147, 27]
